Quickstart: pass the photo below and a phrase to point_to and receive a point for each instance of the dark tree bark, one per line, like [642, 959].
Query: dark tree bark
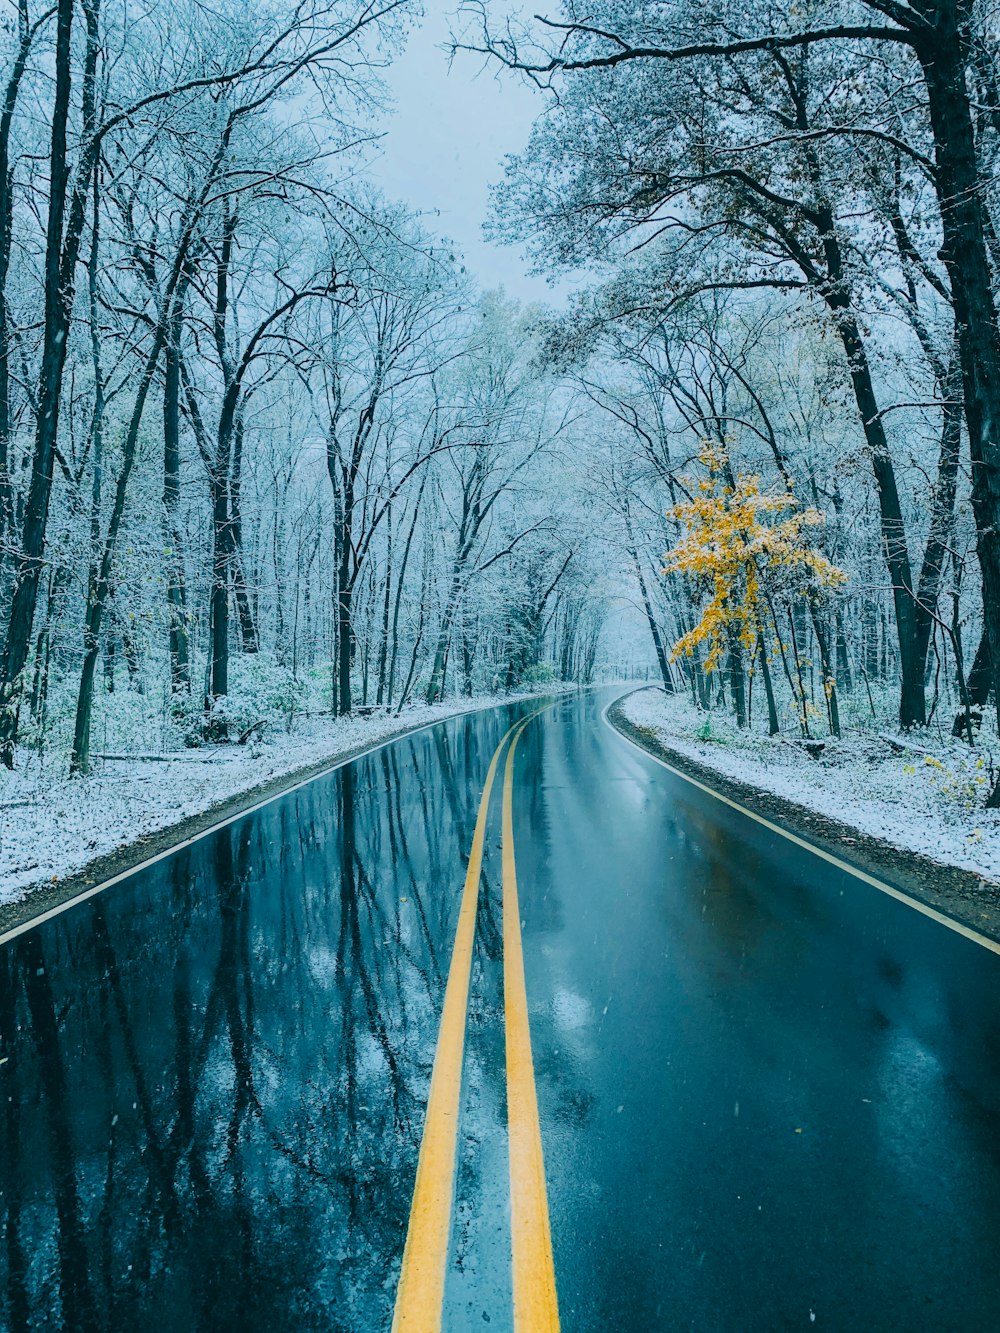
[737, 677]
[219, 598]
[942, 524]
[418, 638]
[654, 628]
[101, 586]
[944, 58]
[27, 32]
[912, 705]
[180, 670]
[773, 725]
[845, 675]
[248, 628]
[383, 648]
[60, 269]
[59, 578]
[978, 684]
[345, 640]
[435, 688]
[826, 661]
[470, 641]
[400, 582]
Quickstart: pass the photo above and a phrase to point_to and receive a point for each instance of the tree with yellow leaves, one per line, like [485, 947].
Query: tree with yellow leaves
[749, 549]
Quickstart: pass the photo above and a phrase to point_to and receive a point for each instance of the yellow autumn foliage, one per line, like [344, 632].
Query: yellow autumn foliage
[744, 545]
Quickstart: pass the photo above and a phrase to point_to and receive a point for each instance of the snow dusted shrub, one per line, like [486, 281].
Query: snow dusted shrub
[261, 690]
[120, 718]
[961, 781]
[276, 692]
[541, 673]
[187, 713]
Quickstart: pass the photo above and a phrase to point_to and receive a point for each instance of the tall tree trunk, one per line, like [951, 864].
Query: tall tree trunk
[798, 685]
[435, 688]
[400, 582]
[219, 603]
[97, 601]
[91, 640]
[826, 662]
[654, 629]
[978, 684]
[59, 579]
[248, 628]
[773, 725]
[58, 305]
[912, 706]
[343, 522]
[835, 288]
[418, 638]
[18, 66]
[845, 678]
[944, 60]
[383, 650]
[180, 668]
[737, 678]
[345, 646]
[468, 662]
[942, 521]
[277, 564]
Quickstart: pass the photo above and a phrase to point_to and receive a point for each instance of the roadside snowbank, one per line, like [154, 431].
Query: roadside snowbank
[926, 799]
[51, 826]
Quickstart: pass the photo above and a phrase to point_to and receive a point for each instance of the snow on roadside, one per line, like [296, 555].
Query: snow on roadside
[929, 799]
[51, 826]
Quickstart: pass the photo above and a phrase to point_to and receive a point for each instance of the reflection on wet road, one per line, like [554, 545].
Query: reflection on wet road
[216, 1071]
[769, 1096]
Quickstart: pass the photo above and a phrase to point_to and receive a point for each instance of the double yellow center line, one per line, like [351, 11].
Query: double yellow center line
[420, 1294]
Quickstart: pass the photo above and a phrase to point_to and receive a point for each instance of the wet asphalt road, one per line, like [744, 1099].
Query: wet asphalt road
[769, 1095]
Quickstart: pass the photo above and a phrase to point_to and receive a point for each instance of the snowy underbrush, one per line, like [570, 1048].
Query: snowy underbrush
[52, 826]
[140, 716]
[921, 792]
[149, 720]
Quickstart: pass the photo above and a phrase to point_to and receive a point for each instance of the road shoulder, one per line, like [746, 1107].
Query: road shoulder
[959, 893]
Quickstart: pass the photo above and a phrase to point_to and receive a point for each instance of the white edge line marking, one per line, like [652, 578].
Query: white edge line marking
[959, 927]
[32, 922]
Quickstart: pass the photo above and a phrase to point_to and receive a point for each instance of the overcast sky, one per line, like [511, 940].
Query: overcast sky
[445, 145]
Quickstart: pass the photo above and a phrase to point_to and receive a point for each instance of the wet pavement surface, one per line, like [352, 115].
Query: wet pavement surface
[769, 1094]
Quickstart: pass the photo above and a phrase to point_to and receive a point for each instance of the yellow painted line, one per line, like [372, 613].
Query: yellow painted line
[536, 1309]
[420, 1293]
[959, 927]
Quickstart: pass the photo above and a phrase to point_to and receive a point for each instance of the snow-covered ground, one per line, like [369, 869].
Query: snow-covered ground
[927, 799]
[51, 826]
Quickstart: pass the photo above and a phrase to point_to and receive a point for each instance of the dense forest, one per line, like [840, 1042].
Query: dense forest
[266, 449]
[796, 340]
[263, 446]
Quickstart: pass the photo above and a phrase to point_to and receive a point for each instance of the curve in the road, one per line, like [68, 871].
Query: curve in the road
[942, 918]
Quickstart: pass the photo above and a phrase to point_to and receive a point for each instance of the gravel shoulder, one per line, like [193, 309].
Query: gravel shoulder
[959, 893]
